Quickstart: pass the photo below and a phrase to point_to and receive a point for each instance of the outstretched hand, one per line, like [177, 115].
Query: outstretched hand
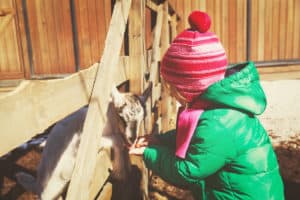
[139, 151]
[140, 144]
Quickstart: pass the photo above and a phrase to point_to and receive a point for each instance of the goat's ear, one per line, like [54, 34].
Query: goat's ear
[146, 94]
[117, 97]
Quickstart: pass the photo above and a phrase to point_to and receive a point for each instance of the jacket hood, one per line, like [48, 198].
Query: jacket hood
[240, 89]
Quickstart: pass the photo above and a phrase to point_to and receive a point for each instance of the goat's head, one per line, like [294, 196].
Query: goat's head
[131, 109]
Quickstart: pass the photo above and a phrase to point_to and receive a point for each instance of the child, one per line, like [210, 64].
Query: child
[219, 148]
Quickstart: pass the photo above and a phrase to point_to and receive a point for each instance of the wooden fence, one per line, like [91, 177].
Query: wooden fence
[27, 47]
[52, 38]
[35, 105]
[259, 30]
[55, 38]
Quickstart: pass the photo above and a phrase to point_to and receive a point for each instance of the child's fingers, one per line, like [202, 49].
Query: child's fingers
[141, 142]
[137, 151]
[135, 142]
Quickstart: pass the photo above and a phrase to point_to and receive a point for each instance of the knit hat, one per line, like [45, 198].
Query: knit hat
[195, 59]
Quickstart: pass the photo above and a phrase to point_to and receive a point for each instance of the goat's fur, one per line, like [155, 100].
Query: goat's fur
[125, 113]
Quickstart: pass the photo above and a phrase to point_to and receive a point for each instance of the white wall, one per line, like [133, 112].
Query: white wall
[282, 121]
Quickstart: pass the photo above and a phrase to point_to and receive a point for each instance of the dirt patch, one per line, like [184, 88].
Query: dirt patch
[18, 160]
[27, 161]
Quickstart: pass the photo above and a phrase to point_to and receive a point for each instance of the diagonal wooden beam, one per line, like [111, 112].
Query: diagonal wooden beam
[37, 104]
[82, 177]
[34, 105]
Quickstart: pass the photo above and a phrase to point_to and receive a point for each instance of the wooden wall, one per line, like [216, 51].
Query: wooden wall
[11, 64]
[71, 34]
[92, 23]
[228, 22]
[50, 38]
[92, 86]
[273, 30]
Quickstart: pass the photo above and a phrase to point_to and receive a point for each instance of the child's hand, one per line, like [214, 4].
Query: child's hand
[139, 151]
[147, 140]
[139, 145]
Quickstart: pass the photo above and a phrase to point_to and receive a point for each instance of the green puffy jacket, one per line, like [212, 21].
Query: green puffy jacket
[230, 155]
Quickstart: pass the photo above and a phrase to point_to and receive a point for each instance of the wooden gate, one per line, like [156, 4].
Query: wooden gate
[37, 104]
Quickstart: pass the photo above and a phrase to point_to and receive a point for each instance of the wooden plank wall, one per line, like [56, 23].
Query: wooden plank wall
[92, 23]
[59, 37]
[53, 41]
[48, 38]
[31, 97]
[51, 38]
[10, 58]
[31, 107]
[274, 29]
[228, 22]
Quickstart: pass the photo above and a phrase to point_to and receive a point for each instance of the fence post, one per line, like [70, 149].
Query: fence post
[137, 57]
[82, 177]
[165, 42]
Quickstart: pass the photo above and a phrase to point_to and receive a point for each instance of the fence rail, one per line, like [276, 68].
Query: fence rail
[35, 105]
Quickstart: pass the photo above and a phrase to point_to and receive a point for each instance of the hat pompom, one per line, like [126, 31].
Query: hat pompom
[199, 21]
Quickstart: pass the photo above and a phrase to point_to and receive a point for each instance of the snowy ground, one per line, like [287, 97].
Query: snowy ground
[282, 121]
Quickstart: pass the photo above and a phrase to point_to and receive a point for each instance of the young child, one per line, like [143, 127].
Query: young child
[219, 148]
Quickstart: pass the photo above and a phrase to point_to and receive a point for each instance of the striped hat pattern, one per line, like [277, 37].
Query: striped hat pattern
[195, 59]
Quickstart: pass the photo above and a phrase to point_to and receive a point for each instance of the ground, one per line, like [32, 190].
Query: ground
[18, 160]
[28, 160]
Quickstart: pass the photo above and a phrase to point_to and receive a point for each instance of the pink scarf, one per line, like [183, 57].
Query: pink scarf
[187, 120]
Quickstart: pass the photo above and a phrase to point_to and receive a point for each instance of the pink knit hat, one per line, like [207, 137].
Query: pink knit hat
[195, 59]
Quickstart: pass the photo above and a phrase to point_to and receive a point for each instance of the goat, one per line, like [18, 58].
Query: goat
[125, 113]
